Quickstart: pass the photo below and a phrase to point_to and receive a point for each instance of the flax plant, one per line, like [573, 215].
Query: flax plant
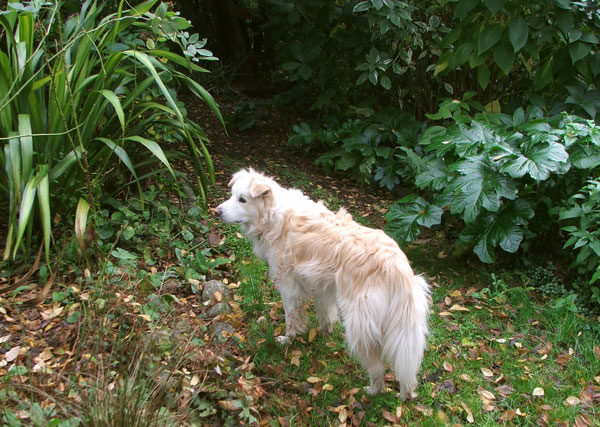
[78, 103]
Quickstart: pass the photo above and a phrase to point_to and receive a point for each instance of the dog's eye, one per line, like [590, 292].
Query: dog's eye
[242, 200]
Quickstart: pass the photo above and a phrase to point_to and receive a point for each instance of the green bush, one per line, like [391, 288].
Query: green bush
[502, 176]
[377, 147]
[81, 98]
[582, 213]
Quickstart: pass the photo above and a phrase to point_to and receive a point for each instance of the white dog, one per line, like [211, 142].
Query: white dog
[313, 252]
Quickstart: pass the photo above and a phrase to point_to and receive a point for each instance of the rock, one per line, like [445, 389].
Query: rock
[217, 309]
[209, 288]
[219, 327]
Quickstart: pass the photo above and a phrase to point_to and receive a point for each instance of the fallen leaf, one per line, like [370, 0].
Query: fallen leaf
[12, 354]
[312, 334]
[582, 421]
[487, 372]
[448, 366]
[505, 390]
[392, 418]
[470, 418]
[538, 391]
[229, 405]
[572, 401]
[508, 415]
[458, 307]
[146, 317]
[428, 412]
[295, 361]
[313, 380]
[195, 380]
[218, 296]
[466, 378]
[327, 387]
[485, 394]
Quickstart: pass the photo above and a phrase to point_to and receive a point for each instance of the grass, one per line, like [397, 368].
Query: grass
[494, 346]
[142, 344]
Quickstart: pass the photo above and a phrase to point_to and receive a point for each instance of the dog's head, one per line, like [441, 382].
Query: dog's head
[251, 196]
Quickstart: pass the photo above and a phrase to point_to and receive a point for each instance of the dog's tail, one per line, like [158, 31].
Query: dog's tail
[404, 337]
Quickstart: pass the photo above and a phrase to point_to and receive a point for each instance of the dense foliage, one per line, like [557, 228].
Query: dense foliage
[80, 95]
[483, 109]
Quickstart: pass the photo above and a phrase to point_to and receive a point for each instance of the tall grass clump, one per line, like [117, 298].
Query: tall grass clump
[85, 100]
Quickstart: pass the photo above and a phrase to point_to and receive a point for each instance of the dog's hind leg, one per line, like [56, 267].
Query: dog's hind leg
[372, 361]
[326, 309]
[294, 301]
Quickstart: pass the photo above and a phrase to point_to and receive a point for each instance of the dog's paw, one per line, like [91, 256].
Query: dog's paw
[372, 390]
[283, 339]
[407, 396]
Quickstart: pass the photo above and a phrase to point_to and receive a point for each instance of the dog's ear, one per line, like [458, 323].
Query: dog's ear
[260, 188]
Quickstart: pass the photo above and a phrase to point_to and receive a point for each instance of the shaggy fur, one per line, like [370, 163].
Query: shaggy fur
[313, 252]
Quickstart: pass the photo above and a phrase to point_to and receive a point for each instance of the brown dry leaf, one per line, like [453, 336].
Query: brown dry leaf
[295, 361]
[466, 378]
[195, 380]
[489, 407]
[448, 366]
[543, 420]
[343, 415]
[508, 415]
[313, 380]
[392, 418]
[428, 412]
[505, 390]
[312, 334]
[445, 314]
[218, 296]
[538, 391]
[488, 373]
[327, 387]
[458, 307]
[456, 293]
[12, 354]
[572, 401]
[597, 351]
[51, 313]
[583, 421]
[487, 395]
[399, 411]
[229, 405]
[470, 418]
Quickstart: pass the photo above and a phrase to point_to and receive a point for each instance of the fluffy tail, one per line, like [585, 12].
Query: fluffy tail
[404, 337]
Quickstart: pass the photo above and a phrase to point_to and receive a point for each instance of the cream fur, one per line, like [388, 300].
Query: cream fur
[313, 252]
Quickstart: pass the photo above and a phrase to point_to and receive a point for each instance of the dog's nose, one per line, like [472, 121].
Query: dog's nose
[217, 211]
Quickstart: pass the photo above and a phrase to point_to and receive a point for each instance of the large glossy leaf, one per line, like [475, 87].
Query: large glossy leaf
[489, 36]
[478, 186]
[518, 31]
[504, 229]
[504, 56]
[537, 160]
[405, 217]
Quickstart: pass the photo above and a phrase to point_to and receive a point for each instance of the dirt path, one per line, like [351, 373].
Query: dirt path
[264, 148]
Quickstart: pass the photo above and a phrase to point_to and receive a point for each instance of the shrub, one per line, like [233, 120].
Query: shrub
[80, 97]
[582, 213]
[502, 176]
[377, 147]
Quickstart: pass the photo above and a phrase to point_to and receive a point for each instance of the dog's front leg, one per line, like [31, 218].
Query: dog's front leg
[295, 311]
